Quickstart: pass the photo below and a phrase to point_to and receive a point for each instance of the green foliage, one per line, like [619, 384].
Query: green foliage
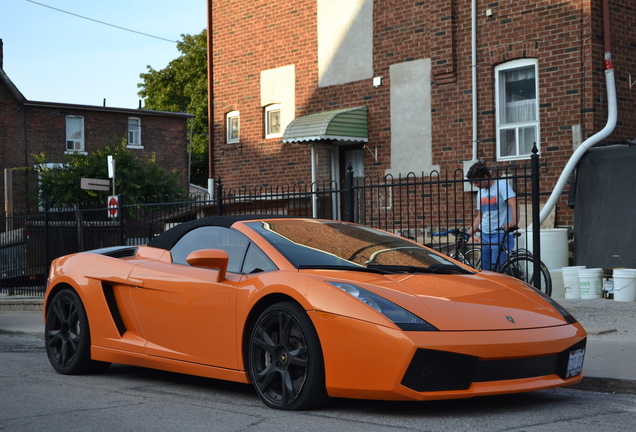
[182, 86]
[136, 180]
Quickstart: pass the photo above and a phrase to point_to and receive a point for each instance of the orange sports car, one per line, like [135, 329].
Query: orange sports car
[305, 309]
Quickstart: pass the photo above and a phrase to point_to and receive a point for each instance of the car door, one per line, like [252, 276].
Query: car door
[184, 313]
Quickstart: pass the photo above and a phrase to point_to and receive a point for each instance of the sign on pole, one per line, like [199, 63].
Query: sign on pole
[111, 166]
[111, 170]
[113, 206]
[95, 184]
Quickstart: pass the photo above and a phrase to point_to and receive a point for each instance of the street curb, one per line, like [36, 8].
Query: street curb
[606, 385]
[21, 304]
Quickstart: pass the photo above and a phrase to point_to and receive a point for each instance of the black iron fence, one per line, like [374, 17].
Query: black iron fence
[412, 206]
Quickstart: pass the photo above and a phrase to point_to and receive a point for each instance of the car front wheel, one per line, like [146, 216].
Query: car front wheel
[285, 359]
[67, 336]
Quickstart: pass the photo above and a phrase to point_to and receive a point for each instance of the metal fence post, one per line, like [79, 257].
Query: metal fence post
[219, 199]
[121, 218]
[350, 198]
[47, 241]
[536, 230]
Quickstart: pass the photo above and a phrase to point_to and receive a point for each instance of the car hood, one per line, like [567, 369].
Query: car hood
[478, 302]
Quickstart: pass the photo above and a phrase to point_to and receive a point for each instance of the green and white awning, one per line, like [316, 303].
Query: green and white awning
[347, 125]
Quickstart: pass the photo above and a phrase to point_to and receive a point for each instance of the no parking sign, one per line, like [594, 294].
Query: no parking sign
[113, 206]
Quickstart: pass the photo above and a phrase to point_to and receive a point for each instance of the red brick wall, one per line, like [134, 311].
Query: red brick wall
[12, 128]
[565, 36]
[251, 36]
[161, 136]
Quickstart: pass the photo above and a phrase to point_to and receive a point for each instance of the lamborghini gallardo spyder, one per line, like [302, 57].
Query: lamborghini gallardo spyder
[305, 310]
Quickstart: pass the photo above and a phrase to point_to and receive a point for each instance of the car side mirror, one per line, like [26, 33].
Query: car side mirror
[210, 258]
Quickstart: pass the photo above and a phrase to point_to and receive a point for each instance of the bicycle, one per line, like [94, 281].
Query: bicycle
[519, 263]
[471, 257]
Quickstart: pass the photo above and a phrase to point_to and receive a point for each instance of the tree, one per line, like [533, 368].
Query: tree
[135, 180]
[182, 86]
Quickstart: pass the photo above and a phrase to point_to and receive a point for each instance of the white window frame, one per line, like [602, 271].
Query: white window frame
[135, 134]
[76, 144]
[521, 149]
[231, 135]
[269, 109]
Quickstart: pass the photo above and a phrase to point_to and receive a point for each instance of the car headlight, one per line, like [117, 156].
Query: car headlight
[397, 314]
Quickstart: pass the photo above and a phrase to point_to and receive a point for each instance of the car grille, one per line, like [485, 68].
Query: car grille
[432, 370]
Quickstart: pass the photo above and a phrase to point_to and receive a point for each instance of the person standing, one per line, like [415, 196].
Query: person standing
[496, 208]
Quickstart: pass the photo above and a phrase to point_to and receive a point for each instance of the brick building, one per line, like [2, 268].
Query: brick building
[303, 88]
[32, 127]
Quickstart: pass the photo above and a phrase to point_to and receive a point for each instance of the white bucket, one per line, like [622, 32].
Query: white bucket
[558, 289]
[591, 283]
[624, 285]
[554, 246]
[571, 282]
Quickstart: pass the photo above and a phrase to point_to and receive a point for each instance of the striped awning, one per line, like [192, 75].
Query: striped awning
[343, 125]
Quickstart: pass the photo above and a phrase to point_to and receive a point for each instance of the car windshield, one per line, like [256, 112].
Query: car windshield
[316, 244]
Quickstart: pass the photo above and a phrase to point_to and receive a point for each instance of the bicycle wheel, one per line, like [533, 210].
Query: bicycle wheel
[467, 258]
[521, 266]
[472, 257]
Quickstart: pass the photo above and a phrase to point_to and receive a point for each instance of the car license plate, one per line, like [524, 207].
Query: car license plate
[575, 363]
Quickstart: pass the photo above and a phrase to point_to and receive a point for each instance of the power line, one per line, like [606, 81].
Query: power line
[113, 25]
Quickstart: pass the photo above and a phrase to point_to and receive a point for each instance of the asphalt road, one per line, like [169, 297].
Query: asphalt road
[126, 398]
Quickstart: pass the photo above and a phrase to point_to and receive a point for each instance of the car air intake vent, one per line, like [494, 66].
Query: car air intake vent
[122, 252]
[116, 251]
[432, 370]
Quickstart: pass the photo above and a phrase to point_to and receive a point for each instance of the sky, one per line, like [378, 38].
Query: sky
[52, 56]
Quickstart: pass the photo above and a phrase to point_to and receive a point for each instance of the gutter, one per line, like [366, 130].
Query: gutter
[612, 117]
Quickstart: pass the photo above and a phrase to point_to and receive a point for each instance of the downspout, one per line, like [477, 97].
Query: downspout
[474, 74]
[210, 47]
[612, 116]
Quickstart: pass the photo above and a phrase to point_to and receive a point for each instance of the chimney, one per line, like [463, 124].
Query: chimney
[1, 54]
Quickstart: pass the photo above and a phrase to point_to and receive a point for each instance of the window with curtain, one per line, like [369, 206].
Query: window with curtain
[272, 121]
[517, 108]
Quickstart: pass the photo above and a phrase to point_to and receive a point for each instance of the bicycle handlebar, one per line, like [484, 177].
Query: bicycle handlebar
[456, 232]
[513, 229]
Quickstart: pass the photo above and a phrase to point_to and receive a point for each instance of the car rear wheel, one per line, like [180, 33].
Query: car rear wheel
[285, 359]
[67, 336]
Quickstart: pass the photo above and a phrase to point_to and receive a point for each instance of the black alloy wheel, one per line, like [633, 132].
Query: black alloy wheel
[285, 359]
[67, 336]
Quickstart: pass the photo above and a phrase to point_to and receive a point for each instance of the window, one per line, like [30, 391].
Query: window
[244, 256]
[74, 134]
[517, 108]
[134, 132]
[232, 126]
[272, 121]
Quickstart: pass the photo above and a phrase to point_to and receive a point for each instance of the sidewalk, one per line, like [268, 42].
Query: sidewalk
[609, 359]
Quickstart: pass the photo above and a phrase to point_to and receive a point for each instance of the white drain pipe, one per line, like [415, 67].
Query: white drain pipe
[473, 39]
[612, 117]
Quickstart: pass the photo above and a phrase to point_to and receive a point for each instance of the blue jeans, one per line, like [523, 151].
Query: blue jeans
[492, 256]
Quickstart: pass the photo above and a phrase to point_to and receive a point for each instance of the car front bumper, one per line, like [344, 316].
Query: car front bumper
[368, 361]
